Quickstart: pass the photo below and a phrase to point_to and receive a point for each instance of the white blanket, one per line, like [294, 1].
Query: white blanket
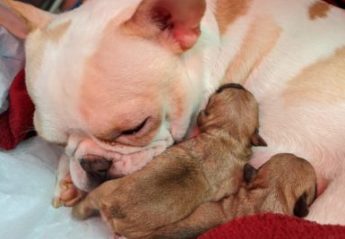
[27, 180]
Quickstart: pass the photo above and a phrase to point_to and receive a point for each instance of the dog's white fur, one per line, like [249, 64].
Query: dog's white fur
[93, 77]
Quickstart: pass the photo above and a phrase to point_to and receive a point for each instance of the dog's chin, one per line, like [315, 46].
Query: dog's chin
[124, 162]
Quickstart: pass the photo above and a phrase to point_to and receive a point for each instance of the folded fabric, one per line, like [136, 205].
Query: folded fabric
[16, 123]
[271, 226]
[11, 62]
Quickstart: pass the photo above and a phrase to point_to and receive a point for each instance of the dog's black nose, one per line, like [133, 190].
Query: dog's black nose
[96, 167]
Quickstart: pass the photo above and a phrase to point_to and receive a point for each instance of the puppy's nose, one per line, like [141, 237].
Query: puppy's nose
[96, 167]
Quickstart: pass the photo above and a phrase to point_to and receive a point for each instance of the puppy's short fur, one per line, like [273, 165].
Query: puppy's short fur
[203, 169]
[285, 184]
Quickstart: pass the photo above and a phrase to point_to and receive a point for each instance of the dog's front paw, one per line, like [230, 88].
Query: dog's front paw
[67, 194]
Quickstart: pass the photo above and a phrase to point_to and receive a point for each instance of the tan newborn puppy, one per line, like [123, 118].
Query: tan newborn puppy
[206, 168]
[285, 184]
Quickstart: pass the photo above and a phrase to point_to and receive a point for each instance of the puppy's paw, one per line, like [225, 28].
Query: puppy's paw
[67, 194]
[82, 212]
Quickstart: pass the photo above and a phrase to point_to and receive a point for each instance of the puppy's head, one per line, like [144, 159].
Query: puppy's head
[233, 109]
[290, 181]
[109, 78]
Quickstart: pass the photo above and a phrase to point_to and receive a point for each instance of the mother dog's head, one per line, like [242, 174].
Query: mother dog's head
[110, 81]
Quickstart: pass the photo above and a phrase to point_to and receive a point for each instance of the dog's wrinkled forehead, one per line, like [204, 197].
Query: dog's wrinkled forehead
[94, 66]
[69, 39]
[110, 61]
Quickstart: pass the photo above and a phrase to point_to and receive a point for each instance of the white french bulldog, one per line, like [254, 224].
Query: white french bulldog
[118, 82]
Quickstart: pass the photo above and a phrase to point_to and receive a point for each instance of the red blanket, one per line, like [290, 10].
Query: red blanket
[16, 123]
[272, 226]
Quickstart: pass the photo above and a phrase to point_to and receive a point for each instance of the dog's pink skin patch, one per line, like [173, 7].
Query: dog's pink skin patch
[186, 37]
[322, 184]
[193, 133]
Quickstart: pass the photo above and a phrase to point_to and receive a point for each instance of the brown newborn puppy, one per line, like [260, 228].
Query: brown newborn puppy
[285, 184]
[203, 169]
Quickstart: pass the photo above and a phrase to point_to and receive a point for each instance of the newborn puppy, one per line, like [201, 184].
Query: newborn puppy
[203, 169]
[285, 184]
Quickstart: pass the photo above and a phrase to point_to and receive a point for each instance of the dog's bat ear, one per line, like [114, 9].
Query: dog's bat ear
[34, 17]
[174, 23]
[257, 140]
[301, 206]
[249, 172]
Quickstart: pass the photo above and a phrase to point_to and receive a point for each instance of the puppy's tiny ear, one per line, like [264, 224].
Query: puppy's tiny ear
[257, 140]
[249, 172]
[301, 206]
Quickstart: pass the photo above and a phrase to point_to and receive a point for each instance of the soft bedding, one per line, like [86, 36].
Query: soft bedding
[27, 180]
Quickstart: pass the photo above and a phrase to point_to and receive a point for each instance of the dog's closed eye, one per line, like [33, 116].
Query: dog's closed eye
[114, 135]
[136, 129]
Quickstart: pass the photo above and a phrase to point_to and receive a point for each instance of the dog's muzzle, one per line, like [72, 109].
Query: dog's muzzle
[96, 167]
[91, 164]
